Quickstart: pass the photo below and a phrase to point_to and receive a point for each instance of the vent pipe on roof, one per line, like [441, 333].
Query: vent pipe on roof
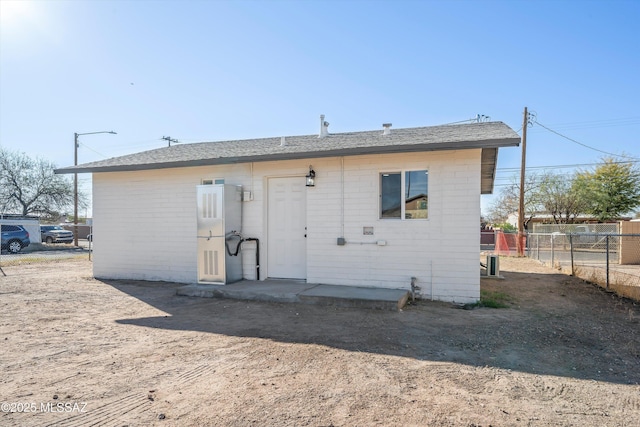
[324, 127]
[283, 142]
[387, 128]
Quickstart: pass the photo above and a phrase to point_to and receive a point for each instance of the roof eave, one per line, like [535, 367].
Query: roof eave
[391, 149]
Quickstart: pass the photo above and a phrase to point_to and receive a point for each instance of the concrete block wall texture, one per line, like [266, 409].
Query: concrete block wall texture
[441, 252]
[140, 227]
[145, 224]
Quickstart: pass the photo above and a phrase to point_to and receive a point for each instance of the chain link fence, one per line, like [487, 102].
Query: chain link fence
[42, 252]
[609, 259]
[22, 243]
[607, 228]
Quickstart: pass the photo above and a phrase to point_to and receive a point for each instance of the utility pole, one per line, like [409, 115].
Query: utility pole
[521, 235]
[170, 140]
[75, 190]
[76, 145]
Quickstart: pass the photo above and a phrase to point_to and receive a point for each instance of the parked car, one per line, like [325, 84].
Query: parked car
[14, 238]
[55, 234]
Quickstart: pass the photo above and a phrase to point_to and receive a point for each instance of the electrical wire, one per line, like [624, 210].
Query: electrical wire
[567, 175]
[535, 121]
[576, 165]
[91, 149]
[480, 118]
[457, 123]
[590, 124]
[150, 144]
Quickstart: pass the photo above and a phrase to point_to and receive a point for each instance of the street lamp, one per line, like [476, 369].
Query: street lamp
[75, 181]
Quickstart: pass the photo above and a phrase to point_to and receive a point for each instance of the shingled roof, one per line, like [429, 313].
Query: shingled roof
[487, 136]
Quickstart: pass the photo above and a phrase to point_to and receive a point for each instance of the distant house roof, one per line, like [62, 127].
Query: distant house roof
[547, 219]
[487, 136]
[18, 216]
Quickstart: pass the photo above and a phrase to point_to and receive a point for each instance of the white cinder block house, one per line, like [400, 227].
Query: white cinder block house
[387, 205]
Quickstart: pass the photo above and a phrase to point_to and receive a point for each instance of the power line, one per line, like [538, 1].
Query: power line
[580, 143]
[567, 175]
[479, 118]
[91, 149]
[590, 124]
[141, 143]
[576, 165]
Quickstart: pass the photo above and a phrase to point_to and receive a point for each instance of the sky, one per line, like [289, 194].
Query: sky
[197, 70]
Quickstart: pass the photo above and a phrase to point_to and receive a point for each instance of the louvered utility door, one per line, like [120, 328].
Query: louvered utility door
[211, 265]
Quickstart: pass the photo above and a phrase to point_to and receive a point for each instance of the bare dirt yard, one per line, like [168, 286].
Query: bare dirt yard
[76, 351]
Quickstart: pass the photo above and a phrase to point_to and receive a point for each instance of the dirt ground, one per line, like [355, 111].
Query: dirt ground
[78, 351]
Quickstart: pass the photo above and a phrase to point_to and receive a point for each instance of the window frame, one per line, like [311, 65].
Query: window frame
[211, 181]
[403, 201]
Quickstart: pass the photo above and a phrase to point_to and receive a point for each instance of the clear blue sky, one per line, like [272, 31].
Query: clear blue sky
[217, 70]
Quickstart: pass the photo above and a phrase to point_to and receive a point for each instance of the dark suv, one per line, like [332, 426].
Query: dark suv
[14, 238]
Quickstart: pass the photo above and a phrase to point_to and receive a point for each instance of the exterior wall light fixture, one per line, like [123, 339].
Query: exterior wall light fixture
[311, 177]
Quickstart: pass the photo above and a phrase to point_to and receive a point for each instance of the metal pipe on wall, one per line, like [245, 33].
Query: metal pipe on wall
[251, 239]
[342, 196]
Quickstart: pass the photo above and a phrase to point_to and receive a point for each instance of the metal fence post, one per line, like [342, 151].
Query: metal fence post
[553, 255]
[571, 250]
[495, 240]
[607, 246]
[538, 247]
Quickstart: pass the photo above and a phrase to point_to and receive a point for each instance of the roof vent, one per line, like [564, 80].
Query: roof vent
[324, 127]
[283, 142]
[387, 128]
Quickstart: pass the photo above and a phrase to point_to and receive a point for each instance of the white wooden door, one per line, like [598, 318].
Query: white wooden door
[287, 222]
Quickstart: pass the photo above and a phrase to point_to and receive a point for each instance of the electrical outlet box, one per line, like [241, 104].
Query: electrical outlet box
[367, 231]
[381, 243]
[341, 241]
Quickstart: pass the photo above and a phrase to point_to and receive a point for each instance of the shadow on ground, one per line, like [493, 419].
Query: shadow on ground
[556, 325]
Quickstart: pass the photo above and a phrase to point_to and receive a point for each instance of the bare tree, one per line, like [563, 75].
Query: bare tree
[508, 200]
[29, 186]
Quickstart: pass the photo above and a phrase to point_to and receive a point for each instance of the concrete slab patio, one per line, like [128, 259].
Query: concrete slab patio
[302, 292]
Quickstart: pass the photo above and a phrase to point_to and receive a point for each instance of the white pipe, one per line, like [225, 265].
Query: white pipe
[431, 273]
[342, 196]
[324, 127]
[251, 177]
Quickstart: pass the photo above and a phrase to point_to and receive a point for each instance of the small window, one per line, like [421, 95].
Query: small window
[415, 194]
[391, 195]
[404, 195]
[213, 181]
